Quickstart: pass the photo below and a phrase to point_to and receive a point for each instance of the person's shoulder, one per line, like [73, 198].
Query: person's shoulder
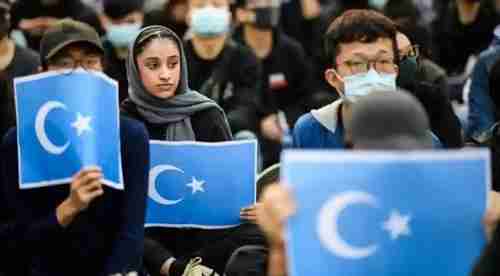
[133, 128]
[306, 124]
[240, 51]
[209, 113]
[26, 57]
[290, 43]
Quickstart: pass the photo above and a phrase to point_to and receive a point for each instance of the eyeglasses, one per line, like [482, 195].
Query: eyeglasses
[88, 63]
[382, 66]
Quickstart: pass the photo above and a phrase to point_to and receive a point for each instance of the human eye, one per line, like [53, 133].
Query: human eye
[152, 65]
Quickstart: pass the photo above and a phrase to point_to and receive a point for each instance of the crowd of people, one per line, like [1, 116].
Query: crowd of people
[307, 74]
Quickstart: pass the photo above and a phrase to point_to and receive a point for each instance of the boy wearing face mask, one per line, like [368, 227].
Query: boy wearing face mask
[220, 68]
[285, 70]
[15, 61]
[122, 20]
[361, 49]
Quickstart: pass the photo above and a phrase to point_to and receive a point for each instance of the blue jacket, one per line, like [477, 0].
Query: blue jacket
[481, 108]
[106, 238]
[322, 129]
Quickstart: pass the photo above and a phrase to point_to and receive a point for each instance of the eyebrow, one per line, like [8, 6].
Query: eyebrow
[379, 53]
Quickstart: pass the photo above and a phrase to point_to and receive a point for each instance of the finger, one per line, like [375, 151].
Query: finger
[91, 186]
[90, 177]
[94, 194]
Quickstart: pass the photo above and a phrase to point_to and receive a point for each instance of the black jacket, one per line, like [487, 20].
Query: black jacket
[286, 77]
[25, 62]
[231, 80]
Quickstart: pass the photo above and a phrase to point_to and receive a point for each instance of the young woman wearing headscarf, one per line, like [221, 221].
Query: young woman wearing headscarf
[159, 96]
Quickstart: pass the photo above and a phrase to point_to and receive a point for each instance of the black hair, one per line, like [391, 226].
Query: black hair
[358, 26]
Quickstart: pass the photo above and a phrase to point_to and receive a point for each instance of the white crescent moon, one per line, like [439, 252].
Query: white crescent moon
[328, 225]
[152, 192]
[41, 116]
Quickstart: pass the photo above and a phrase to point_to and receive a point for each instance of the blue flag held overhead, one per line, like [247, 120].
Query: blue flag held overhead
[374, 213]
[67, 121]
[200, 185]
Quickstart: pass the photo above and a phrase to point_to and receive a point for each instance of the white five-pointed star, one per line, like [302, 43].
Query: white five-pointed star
[196, 185]
[82, 124]
[397, 225]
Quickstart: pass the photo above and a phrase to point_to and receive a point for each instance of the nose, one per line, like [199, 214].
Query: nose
[164, 73]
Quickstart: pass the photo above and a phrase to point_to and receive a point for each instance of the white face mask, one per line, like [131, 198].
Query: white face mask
[362, 84]
[210, 21]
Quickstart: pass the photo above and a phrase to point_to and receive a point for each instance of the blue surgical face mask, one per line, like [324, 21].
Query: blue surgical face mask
[378, 4]
[210, 21]
[362, 84]
[122, 35]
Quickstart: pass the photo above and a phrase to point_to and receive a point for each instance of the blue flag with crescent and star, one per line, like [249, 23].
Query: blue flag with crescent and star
[66, 121]
[200, 185]
[364, 214]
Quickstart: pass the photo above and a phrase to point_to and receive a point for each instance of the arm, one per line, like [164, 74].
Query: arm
[127, 251]
[247, 89]
[481, 109]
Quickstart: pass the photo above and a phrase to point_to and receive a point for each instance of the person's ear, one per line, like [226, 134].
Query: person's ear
[104, 20]
[335, 80]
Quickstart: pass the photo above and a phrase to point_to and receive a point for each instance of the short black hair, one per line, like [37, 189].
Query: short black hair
[358, 26]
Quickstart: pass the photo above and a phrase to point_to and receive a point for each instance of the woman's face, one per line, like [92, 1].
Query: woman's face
[160, 68]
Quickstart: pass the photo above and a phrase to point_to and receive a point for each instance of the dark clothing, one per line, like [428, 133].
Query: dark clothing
[304, 30]
[249, 260]
[231, 80]
[429, 87]
[29, 9]
[285, 77]
[286, 85]
[487, 264]
[105, 239]
[444, 123]
[214, 246]
[162, 18]
[208, 125]
[25, 62]
[458, 41]
[116, 69]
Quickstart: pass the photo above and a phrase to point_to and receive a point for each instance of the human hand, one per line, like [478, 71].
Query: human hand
[85, 187]
[270, 128]
[492, 216]
[250, 213]
[277, 206]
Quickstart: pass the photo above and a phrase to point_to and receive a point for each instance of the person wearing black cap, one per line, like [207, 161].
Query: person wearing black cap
[15, 61]
[90, 229]
[122, 20]
[33, 17]
[285, 78]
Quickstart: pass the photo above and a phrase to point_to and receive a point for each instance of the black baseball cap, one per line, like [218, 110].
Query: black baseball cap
[64, 33]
